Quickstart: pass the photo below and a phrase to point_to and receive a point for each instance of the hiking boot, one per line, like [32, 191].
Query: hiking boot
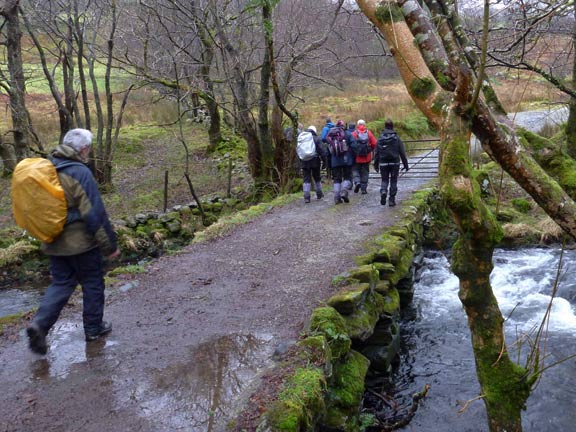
[345, 197]
[364, 191]
[319, 195]
[36, 339]
[392, 201]
[357, 188]
[307, 199]
[383, 199]
[105, 328]
[337, 200]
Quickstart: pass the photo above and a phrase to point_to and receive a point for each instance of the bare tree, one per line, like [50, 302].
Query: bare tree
[537, 37]
[443, 75]
[14, 85]
[79, 34]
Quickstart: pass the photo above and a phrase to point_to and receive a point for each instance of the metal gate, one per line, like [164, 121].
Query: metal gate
[423, 159]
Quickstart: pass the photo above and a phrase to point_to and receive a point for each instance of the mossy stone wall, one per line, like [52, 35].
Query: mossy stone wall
[356, 333]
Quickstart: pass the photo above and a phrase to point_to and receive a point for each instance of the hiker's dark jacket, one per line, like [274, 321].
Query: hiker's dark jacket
[401, 151]
[87, 226]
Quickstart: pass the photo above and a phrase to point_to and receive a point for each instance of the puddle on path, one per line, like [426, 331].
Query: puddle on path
[200, 393]
[68, 349]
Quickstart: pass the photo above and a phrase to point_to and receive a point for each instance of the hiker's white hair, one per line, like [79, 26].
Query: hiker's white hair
[78, 139]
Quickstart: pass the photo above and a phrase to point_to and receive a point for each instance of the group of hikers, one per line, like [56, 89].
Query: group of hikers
[346, 151]
[76, 231]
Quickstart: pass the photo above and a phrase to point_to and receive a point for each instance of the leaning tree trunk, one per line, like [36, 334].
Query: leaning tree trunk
[504, 385]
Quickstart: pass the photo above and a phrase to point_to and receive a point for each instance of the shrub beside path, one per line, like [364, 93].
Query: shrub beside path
[193, 332]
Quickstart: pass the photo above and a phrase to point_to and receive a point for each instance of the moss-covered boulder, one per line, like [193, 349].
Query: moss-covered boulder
[363, 274]
[328, 322]
[300, 403]
[316, 350]
[345, 393]
[390, 247]
[349, 298]
[361, 323]
[382, 287]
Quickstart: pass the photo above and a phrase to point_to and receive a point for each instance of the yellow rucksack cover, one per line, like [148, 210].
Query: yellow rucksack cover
[38, 200]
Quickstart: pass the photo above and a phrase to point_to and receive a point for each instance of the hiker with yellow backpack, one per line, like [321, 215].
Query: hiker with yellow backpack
[58, 202]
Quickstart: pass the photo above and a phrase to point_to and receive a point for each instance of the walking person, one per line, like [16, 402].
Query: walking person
[341, 161]
[389, 152]
[351, 144]
[311, 154]
[76, 254]
[364, 145]
[327, 126]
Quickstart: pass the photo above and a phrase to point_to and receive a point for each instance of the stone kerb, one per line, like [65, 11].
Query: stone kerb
[357, 332]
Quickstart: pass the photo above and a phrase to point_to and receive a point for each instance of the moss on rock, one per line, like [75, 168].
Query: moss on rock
[328, 322]
[300, 402]
[345, 393]
[361, 323]
[349, 298]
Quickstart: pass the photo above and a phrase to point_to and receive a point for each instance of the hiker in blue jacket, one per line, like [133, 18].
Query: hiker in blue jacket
[76, 254]
[341, 165]
[329, 125]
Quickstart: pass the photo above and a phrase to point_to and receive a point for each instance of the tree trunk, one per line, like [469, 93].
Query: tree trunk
[504, 385]
[80, 26]
[21, 126]
[215, 129]
[8, 156]
[106, 163]
[571, 124]
[66, 121]
[209, 97]
[269, 173]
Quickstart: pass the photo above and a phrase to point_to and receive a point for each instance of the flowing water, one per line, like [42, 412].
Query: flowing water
[437, 348]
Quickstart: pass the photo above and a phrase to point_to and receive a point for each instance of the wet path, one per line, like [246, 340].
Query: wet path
[194, 331]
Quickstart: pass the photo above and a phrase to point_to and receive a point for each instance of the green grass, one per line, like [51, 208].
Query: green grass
[37, 83]
[227, 223]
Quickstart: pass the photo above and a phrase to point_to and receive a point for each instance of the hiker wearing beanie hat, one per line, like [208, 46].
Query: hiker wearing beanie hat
[389, 152]
[312, 155]
[363, 145]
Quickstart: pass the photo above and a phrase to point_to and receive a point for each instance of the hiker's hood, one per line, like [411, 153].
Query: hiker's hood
[361, 128]
[66, 152]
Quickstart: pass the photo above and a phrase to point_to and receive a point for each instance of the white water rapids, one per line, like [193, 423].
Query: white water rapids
[438, 349]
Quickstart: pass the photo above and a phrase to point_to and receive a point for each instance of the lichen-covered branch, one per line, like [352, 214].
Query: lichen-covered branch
[425, 91]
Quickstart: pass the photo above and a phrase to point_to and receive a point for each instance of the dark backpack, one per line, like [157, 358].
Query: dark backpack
[336, 139]
[388, 147]
[362, 143]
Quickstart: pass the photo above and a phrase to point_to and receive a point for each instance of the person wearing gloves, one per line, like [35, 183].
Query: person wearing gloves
[389, 152]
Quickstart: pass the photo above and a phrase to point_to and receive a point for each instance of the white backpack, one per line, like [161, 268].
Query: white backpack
[306, 148]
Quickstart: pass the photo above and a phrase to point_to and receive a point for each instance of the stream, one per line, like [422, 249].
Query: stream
[437, 348]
